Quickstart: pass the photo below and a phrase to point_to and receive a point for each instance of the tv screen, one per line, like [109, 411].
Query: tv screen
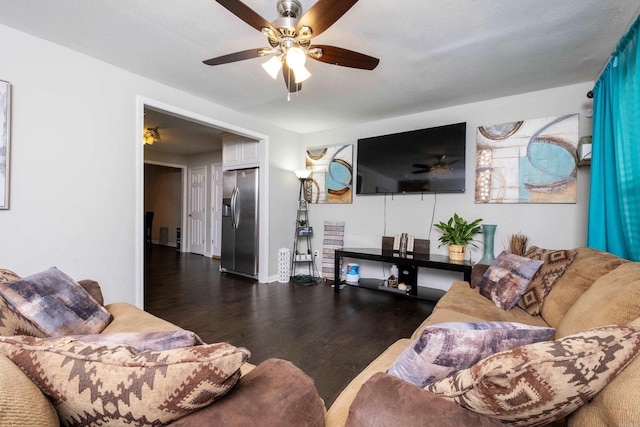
[421, 161]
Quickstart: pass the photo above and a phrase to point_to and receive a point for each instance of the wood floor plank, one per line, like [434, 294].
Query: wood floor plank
[330, 337]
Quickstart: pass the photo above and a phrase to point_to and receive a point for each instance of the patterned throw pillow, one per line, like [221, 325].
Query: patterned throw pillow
[142, 341]
[556, 262]
[56, 304]
[507, 279]
[91, 384]
[538, 383]
[11, 321]
[448, 347]
[7, 275]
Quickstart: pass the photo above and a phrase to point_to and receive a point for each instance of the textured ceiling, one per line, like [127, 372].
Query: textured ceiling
[433, 54]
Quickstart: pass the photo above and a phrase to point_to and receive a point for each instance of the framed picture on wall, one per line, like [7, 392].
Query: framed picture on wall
[5, 110]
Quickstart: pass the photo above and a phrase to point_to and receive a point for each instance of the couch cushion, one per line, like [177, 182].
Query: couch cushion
[339, 411]
[90, 384]
[275, 393]
[56, 304]
[539, 383]
[129, 318]
[617, 403]
[22, 404]
[556, 262]
[588, 265]
[448, 347]
[93, 288]
[507, 279]
[612, 299]
[385, 400]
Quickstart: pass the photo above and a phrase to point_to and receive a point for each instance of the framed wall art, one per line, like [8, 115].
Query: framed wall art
[528, 161]
[331, 179]
[5, 110]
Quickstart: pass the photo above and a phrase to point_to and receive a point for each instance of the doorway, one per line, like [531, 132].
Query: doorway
[163, 197]
[189, 122]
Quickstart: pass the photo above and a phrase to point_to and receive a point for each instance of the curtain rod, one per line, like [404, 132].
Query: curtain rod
[629, 24]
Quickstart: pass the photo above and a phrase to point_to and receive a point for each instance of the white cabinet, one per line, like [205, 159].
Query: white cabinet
[238, 151]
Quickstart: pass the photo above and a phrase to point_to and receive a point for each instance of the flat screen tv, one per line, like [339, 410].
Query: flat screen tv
[420, 161]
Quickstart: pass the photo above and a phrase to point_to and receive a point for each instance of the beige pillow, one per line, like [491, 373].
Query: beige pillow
[588, 265]
[556, 262]
[538, 383]
[613, 298]
[22, 404]
[92, 384]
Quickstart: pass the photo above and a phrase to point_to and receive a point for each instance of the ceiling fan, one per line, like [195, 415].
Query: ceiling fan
[290, 39]
[440, 166]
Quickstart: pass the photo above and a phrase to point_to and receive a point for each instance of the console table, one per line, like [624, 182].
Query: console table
[408, 267]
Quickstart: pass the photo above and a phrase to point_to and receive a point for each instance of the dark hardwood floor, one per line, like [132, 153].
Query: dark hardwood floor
[330, 337]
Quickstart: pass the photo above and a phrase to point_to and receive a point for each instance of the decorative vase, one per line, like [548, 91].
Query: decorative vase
[456, 252]
[489, 231]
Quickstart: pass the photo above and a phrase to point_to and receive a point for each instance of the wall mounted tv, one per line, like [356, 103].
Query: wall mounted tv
[421, 161]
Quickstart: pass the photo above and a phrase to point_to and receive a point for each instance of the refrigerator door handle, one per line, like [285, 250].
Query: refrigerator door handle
[234, 207]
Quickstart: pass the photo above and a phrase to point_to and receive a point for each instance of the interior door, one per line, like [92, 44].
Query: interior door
[216, 210]
[197, 209]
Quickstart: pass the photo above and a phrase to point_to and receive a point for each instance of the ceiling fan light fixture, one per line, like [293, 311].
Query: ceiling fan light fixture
[273, 66]
[296, 59]
[151, 135]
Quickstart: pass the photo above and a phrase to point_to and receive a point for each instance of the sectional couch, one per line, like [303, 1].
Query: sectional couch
[592, 289]
[588, 297]
[139, 370]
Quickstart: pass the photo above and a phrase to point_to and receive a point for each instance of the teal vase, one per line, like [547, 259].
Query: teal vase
[489, 231]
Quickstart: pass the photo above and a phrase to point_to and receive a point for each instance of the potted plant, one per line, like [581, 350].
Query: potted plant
[304, 229]
[458, 233]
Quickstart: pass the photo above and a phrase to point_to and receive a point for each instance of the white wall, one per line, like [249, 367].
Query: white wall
[547, 225]
[75, 160]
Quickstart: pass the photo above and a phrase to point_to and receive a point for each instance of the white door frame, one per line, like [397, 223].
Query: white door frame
[263, 243]
[215, 179]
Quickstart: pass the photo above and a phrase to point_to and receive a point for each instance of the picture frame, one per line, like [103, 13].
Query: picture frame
[5, 142]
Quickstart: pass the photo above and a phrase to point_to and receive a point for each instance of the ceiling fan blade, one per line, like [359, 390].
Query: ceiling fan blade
[346, 58]
[420, 165]
[289, 79]
[234, 57]
[247, 14]
[323, 14]
[420, 171]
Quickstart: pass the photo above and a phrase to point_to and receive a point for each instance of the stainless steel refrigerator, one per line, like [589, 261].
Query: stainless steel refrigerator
[239, 254]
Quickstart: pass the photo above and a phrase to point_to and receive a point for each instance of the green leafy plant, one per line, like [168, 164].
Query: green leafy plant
[458, 231]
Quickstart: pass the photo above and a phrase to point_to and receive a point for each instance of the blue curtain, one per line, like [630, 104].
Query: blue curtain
[614, 205]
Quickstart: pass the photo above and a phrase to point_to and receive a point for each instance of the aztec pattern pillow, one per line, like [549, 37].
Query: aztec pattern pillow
[448, 347]
[56, 304]
[11, 321]
[91, 384]
[556, 262]
[538, 383]
[507, 279]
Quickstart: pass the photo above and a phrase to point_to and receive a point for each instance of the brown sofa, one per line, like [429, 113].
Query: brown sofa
[273, 393]
[597, 289]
